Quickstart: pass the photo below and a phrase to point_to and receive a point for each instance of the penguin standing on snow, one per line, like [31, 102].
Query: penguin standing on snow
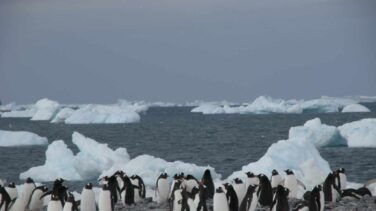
[207, 181]
[105, 200]
[232, 198]
[12, 191]
[265, 192]
[5, 199]
[71, 204]
[55, 203]
[176, 199]
[250, 200]
[220, 200]
[162, 188]
[280, 202]
[28, 188]
[240, 189]
[252, 179]
[137, 181]
[275, 180]
[199, 197]
[341, 178]
[128, 191]
[87, 198]
[331, 191]
[177, 178]
[36, 200]
[58, 189]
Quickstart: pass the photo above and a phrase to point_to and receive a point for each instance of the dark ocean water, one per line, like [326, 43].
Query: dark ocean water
[225, 142]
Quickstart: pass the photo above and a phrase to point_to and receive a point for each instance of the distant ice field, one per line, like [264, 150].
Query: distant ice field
[224, 141]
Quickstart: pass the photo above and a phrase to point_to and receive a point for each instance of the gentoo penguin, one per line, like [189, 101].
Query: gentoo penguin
[114, 187]
[341, 178]
[187, 200]
[322, 197]
[162, 188]
[36, 199]
[119, 178]
[190, 182]
[240, 189]
[275, 180]
[71, 204]
[105, 200]
[292, 183]
[250, 200]
[280, 202]
[311, 201]
[176, 199]
[199, 197]
[356, 193]
[12, 191]
[128, 191]
[220, 200]
[207, 181]
[5, 199]
[252, 179]
[177, 178]
[58, 189]
[139, 188]
[232, 198]
[28, 188]
[331, 192]
[88, 198]
[55, 203]
[265, 192]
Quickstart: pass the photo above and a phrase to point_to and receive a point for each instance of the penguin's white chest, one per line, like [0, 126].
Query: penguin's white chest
[12, 192]
[220, 202]
[36, 202]
[54, 206]
[177, 204]
[87, 200]
[162, 191]
[276, 180]
[240, 191]
[292, 184]
[68, 206]
[104, 201]
[19, 205]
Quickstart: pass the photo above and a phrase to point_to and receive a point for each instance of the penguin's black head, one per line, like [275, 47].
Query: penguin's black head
[219, 190]
[164, 175]
[227, 185]
[11, 185]
[181, 175]
[250, 174]
[319, 187]
[207, 173]
[55, 197]
[29, 180]
[89, 185]
[238, 181]
[189, 177]
[274, 172]
[61, 180]
[44, 189]
[341, 170]
[176, 177]
[289, 172]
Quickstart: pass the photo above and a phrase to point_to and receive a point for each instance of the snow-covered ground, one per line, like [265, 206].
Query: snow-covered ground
[265, 105]
[20, 138]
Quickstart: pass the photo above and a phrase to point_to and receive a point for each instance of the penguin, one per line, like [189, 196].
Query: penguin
[105, 200]
[18, 204]
[265, 192]
[177, 178]
[28, 188]
[176, 199]
[322, 197]
[88, 198]
[128, 192]
[12, 191]
[220, 200]
[240, 189]
[275, 180]
[190, 182]
[199, 197]
[55, 203]
[291, 183]
[59, 190]
[356, 193]
[331, 192]
[5, 199]
[188, 200]
[280, 202]
[114, 187]
[207, 181]
[36, 200]
[119, 178]
[139, 188]
[250, 200]
[71, 204]
[232, 198]
[311, 201]
[252, 179]
[341, 178]
[162, 188]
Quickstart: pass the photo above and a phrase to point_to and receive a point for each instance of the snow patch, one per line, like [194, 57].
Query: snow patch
[20, 138]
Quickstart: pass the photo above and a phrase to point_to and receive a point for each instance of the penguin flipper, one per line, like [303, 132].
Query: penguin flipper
[45, 194]
[369, 182]
[301, 184]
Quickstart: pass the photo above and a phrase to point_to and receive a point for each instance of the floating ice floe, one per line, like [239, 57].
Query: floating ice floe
[355, 108]
[22, 111]
[94, 159]
[265, 105]
[318, 134]
[45, 109]
[360, 133]
[20, 138]
[62, 115]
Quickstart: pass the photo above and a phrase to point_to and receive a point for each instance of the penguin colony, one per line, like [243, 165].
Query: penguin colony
[185, 193]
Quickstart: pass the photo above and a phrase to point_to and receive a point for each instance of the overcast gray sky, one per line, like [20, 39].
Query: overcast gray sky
[77, 51]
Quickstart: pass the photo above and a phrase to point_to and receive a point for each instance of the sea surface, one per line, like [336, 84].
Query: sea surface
[224, 141]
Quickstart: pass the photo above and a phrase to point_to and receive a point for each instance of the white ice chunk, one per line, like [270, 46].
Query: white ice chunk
[21, 113]
[355, 108]
[360, 133]
[62, 115]
[45, 109]
[317, 133]
[20, 138]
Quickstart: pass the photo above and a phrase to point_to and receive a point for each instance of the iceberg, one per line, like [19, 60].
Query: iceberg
[301, 156]
[45, 109]
[20, 138]
[62, 115]
[360, 133]
[26, 111]
[103, 114]
[355, 108]
[318, 134]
